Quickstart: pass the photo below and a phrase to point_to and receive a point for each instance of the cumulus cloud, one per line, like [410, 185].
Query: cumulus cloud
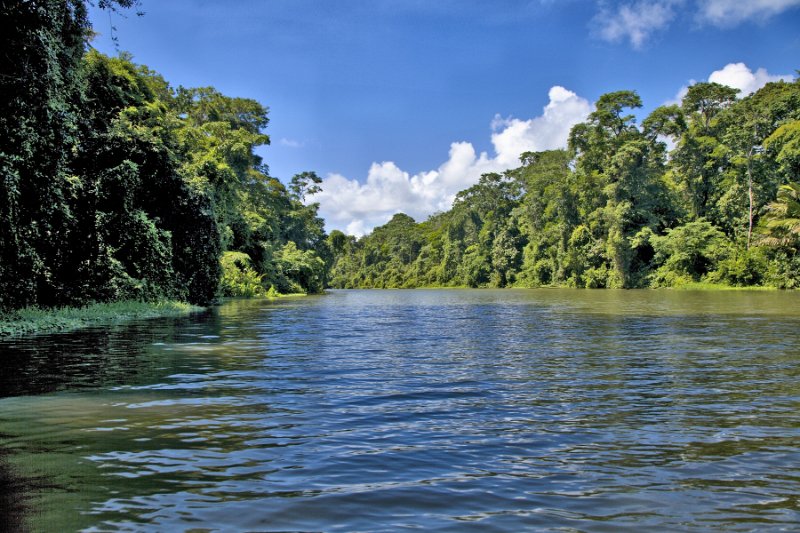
[728, 13]
[739, 76]
[356, 207]
[513, 136]
[736, 75]
[634, 21]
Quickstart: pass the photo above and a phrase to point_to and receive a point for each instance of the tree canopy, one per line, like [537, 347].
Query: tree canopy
[117, 185]
[617, 208]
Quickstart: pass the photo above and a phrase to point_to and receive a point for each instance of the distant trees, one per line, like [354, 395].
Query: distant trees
[617, 209]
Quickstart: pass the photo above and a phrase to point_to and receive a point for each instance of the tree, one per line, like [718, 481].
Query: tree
[782, 219]
[140, 229]
[303, 270]
[591, 143]
[703, 101]
[547, 214]
[745, 140]
[781, 224]
[620, 190]
[115, 185]
[305, 184]
[40, 90]
[751, 176]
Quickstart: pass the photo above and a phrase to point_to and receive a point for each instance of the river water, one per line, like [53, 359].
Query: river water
[436, 410]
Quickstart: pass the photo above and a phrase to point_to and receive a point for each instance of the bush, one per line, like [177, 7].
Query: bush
[238, 276]
[688, 252]
[783, 271]
[746, 268]
[303, 270]
[596, 278]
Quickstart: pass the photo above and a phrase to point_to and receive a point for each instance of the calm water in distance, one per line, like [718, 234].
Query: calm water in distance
[436, 410]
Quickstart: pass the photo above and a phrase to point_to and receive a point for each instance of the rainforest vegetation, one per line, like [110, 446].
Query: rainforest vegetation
[115, 185]
[704, 191]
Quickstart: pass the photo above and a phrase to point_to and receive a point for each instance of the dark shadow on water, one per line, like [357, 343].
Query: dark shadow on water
[78, 360]
[92, 359]
[89, 358]
[12, 497]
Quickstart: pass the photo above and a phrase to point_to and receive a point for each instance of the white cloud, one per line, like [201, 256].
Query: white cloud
[291, 143]
[635, 21]
[546, 132]
[728, 13]
[739, 76]
[356, 207]
[736, 75]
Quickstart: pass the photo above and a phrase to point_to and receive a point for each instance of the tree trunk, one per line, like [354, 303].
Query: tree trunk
[750, 195]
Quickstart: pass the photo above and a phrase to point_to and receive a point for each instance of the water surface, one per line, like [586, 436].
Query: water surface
[447, 410]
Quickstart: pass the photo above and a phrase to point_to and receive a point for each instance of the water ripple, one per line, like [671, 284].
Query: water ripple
[434, 410]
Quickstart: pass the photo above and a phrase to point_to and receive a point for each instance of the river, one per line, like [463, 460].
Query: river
[436, 410]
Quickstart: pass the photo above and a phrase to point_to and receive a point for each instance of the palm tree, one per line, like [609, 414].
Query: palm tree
[781, 223]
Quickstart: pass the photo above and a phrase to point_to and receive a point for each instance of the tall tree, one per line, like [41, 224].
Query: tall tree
[42, 44]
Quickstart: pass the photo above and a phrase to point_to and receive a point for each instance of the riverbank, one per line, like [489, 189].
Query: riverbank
[689, 286]
[35, 320]
[706, 286]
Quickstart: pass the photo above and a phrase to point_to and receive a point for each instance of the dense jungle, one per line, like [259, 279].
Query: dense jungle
[118, 186]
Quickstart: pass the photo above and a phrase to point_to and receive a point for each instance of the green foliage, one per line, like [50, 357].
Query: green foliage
[42, 45]
[784, 144]
[305, 184]
[781, 226]
[238, 276]
[302, 270]
[783, 270]
[34, 320]
[688, 252]
[703, 101]
[744, 268]
[617, 209]
[117, 186]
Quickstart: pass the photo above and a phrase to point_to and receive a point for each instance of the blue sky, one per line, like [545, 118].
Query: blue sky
[399, 104]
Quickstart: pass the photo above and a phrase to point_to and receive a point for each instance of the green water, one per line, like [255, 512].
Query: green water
[437, 410]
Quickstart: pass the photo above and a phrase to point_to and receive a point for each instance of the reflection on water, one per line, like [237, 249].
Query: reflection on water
[438, 410]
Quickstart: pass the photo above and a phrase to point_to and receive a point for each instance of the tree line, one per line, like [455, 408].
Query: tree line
[115, 185]
[701, 191]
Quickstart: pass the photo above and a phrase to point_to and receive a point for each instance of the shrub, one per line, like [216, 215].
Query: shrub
[238, 276]
[688, 252]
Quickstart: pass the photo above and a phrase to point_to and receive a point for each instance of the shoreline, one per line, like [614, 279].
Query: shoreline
[41, 321]
[694, 286]
[36, 320]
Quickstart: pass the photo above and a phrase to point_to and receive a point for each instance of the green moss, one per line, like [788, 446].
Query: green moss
[33, 320]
